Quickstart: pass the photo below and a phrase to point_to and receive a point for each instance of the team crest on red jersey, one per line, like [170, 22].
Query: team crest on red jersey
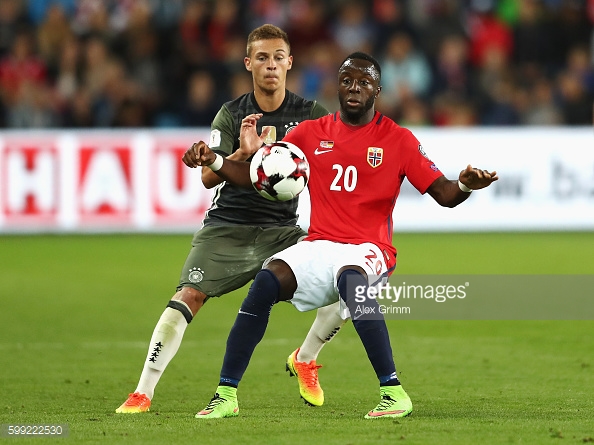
[375, 156]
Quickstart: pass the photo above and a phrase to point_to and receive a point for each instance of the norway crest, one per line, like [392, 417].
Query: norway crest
[375, 156]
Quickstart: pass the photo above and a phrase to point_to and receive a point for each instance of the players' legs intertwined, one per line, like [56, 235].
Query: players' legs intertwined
[247, 331]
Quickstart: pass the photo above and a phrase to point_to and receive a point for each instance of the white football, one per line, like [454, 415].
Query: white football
[279, 171]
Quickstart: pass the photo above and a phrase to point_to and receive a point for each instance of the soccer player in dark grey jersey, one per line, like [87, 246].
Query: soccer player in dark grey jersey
[241, 229]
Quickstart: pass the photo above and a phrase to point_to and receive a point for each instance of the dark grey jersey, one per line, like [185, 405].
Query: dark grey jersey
[236, 205]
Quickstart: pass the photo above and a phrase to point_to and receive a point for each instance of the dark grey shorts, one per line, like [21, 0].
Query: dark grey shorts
[225, 258]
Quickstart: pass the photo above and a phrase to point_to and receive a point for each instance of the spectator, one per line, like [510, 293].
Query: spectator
[53, 34]
[542, 109]
[388, 18]
[351, 29]
[487, 33]
[261, 12]
[131, 62]
[38, 9]
[34, 109]
[405, 73]
[451, 110]
[78, 111]
[144, 68]
[67, 79]
[531, 35]
[224, 24]
[452, 71]
[19, 68]
[580, 63]
[415, 113]
[307, 25]
[575, 102]
[202, 103]
[12, 19]
[444, 18]
[193, 42]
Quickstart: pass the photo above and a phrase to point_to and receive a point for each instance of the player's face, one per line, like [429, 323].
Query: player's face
[358, 87]
[269, 62]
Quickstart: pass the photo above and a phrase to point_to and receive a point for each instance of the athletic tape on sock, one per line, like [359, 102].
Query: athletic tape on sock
[183, 308]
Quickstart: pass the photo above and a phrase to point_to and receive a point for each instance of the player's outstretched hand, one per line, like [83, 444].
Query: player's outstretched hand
[476, 179]
[198, 155]
[249, 141]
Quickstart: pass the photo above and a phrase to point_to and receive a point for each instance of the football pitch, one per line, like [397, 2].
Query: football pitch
[77, 313]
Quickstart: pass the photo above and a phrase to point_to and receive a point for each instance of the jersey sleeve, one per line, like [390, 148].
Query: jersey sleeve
[318, 110]
[222, 132]
[419, 169]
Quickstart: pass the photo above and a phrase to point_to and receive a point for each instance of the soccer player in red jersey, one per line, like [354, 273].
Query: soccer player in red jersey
[358, 159]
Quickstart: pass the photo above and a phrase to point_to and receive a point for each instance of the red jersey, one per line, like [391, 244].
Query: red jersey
[355, 177]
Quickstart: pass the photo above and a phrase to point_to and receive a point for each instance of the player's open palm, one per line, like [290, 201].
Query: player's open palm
[249, 141]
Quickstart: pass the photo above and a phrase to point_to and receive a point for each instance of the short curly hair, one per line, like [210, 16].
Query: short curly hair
[364, 56]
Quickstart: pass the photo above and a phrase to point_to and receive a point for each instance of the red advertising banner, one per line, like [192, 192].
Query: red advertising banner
[134, 180]
[99, 181]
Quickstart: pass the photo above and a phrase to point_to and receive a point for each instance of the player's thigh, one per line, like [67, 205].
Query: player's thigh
[316, 266]
[222, 259]
[313, 272]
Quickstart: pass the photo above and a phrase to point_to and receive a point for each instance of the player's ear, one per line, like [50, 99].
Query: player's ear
[290, 62]
[379, 88]
[248, 63]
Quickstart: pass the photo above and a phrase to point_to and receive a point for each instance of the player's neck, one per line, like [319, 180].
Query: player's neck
[357, 121]
[269, 101]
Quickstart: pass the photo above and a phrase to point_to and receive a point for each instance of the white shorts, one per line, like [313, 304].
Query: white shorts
[316, 265]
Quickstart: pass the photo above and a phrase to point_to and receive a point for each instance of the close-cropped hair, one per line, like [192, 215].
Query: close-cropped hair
[266, 32]
[364, 56]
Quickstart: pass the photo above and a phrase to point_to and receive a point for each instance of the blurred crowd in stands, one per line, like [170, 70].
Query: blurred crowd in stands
[172, 63]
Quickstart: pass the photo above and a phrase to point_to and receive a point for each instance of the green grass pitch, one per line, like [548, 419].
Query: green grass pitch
[77, 312]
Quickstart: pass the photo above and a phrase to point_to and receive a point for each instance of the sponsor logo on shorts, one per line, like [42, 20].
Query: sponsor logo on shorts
[196, 275]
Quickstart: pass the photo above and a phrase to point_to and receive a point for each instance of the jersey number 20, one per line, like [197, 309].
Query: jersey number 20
[345, 177]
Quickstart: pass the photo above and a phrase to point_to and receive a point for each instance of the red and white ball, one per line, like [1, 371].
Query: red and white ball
[279, 171]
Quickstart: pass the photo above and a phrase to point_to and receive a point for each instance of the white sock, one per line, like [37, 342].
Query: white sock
[323, 329]
[164, 344]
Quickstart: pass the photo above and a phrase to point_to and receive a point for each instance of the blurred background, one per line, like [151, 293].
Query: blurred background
[172, 63]
[99, 99]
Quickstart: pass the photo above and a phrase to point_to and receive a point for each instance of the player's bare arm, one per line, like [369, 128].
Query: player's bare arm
[449, 193]
[210, 179]
[235, 172]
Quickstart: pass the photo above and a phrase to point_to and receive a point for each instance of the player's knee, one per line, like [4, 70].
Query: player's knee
[263, 293]
[285, 276]
[192, 297]
[350, 280]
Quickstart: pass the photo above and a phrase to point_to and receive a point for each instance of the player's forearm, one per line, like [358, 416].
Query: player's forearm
[235, 172]
[210, 179]
[447, 193]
